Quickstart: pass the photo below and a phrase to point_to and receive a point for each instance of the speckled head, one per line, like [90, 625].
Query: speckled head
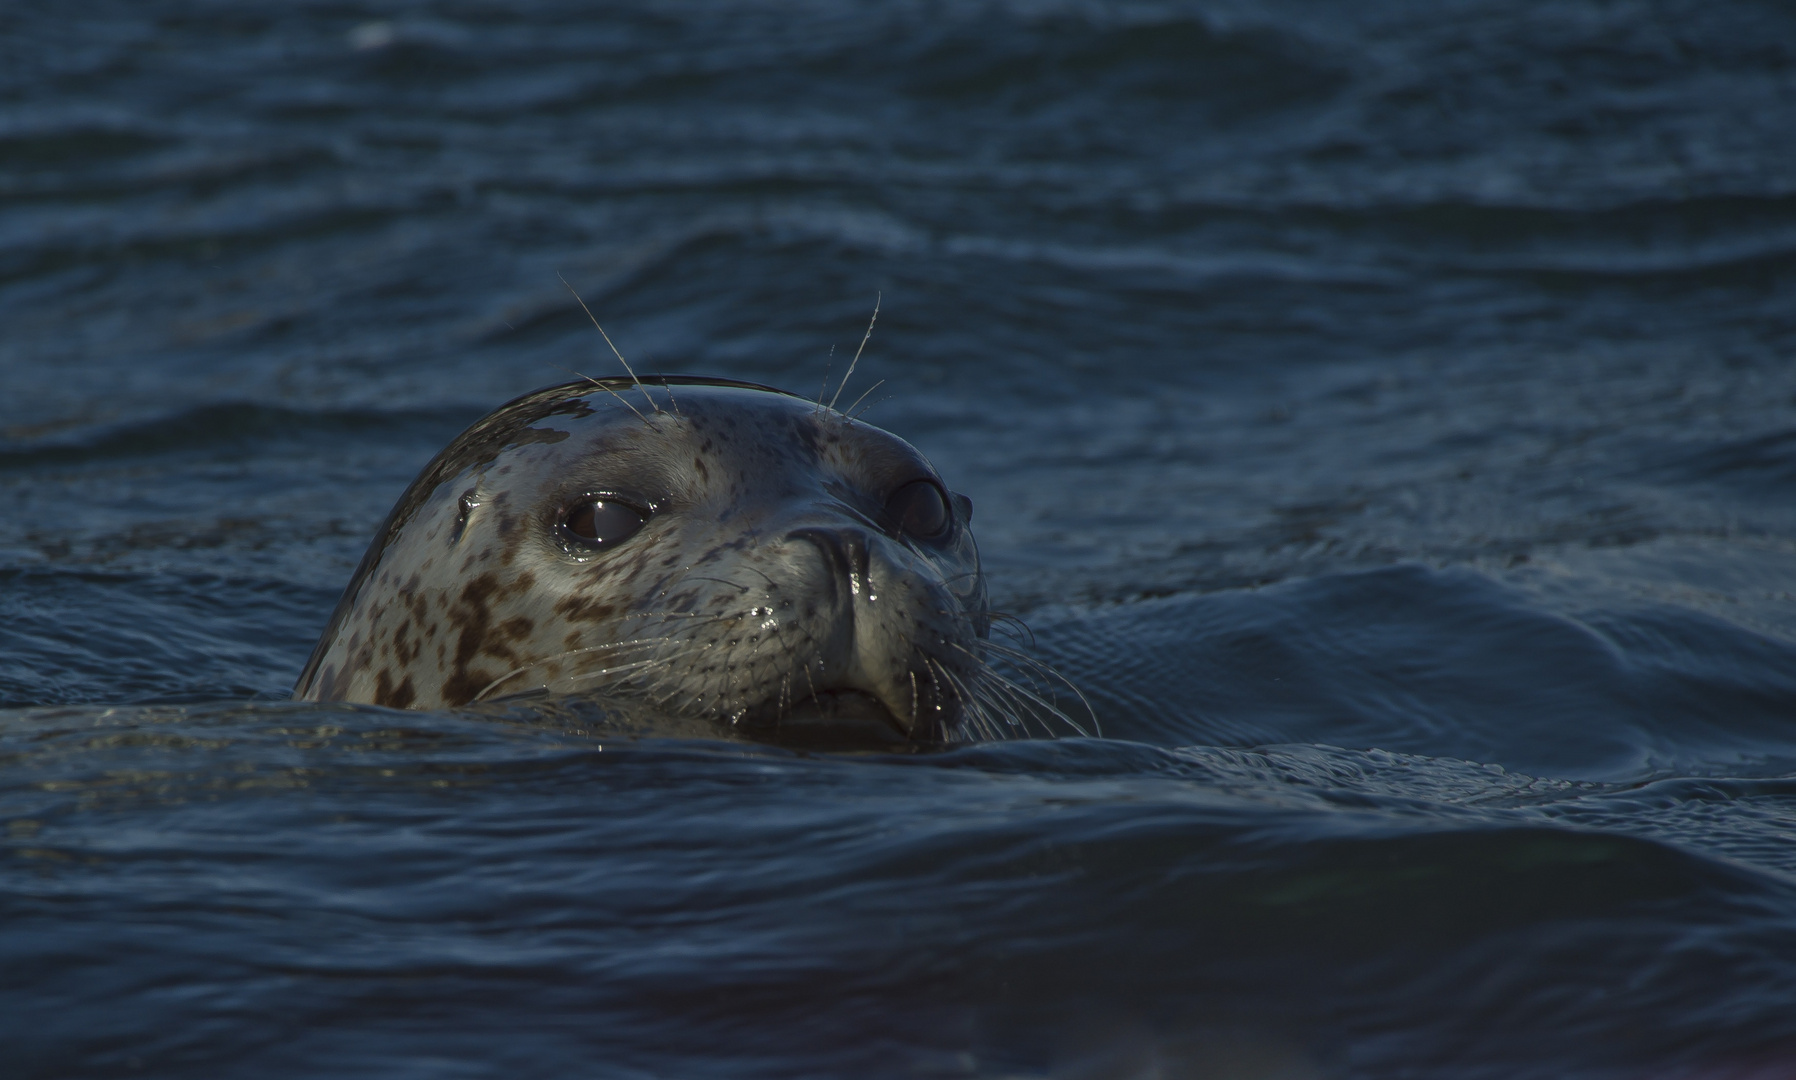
[694, 547]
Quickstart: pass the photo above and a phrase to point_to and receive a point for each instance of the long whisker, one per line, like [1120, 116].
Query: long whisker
[810, 682]
[1013, 708]
[1012, 624]
[1012, 687]
[1023, 660]
[938, 675]
[1085, 705]
[870, 406]
[1033, 667]
[995, 725]
[634, 665]
[757, 570]
[982, 719]
[672, 685]
[877, 298]
[967, 576]
[784, 709]
[614, 352]
[608, 646]
[863, 397]
[612, 392]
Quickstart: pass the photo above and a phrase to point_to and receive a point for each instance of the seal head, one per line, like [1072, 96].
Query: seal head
[694, 548]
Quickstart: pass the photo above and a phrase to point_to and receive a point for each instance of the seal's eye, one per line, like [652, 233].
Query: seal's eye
[600, 523]
[920, 510]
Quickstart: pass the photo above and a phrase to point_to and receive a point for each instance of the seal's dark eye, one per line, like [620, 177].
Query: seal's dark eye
[919, 509]
[601, 523]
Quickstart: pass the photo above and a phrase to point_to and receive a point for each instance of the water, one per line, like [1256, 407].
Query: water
[1385, 414]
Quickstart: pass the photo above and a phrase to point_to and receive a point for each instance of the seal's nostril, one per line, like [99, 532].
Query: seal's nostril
[846, 550]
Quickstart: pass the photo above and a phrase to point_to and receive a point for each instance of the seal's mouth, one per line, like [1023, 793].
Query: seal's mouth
[837, 720]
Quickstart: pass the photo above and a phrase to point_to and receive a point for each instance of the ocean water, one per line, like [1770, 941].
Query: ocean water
[1384, 413]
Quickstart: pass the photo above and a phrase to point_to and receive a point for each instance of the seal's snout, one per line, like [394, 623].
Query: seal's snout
[901, 640]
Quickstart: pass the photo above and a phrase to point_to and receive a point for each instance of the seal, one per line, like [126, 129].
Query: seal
[677, 546]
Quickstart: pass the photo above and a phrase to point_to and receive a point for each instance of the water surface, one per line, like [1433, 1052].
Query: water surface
[1386, 416]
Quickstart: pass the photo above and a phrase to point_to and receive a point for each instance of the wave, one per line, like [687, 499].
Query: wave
[220, 426]
[1440, 663]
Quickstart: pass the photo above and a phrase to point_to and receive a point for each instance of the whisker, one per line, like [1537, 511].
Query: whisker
[612, 392]
[938, 674]
[877, 298]
[863, 397]
[975, 709]
[658, 663]
[994, 727]
[1013, 708]
[870, 406]
[757, 570]
[783, 708]
[513, 673]
[614, 352]
[986, 724]
[968, 575]
[634, 665]
[669, 676]
[1013, 624]
[1034, 667]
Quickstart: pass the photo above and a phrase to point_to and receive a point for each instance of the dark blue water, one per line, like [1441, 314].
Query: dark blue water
[1385, 413]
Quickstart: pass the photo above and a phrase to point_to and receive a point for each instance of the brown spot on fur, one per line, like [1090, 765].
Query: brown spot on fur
[584, 609]
[393, 697]
[403, 646]
[472, 618]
